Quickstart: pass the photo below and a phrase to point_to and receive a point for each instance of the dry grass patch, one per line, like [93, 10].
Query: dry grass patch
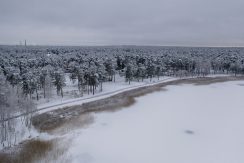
[27, 152]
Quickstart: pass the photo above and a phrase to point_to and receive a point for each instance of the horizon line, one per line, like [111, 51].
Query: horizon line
[121, 45]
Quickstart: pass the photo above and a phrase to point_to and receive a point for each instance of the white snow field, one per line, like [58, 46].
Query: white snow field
[183, 124]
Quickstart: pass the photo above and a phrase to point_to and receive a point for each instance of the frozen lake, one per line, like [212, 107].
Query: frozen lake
[183, 124]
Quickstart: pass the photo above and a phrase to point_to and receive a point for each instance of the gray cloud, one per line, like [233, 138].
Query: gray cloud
[141, 22]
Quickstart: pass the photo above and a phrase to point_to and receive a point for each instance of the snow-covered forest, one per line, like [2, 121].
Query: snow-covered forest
[121, 81]
[28, 74]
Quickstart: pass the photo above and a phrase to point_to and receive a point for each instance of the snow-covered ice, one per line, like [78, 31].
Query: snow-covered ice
[184, 124]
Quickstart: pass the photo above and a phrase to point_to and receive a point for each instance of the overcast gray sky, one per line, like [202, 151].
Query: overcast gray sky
[123, 22]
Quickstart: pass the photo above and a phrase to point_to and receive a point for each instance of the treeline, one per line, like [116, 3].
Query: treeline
[37, 69]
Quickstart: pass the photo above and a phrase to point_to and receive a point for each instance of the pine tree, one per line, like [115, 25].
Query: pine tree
[59, 81]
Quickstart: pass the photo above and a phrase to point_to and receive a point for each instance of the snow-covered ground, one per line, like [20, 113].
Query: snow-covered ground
[109, 89]
[184, 124]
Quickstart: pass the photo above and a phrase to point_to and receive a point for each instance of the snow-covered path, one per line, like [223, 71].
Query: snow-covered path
[106, 93]
[185, 124]
[110, 89]
[116, 88]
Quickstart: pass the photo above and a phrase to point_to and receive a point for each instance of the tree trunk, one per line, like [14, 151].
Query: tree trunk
[44, 92]
[93, 89]
[37, 96]
[62, 92]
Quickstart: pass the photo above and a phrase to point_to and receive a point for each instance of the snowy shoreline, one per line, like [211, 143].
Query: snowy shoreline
[114, 100]
[118, 88]
[133, 92]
